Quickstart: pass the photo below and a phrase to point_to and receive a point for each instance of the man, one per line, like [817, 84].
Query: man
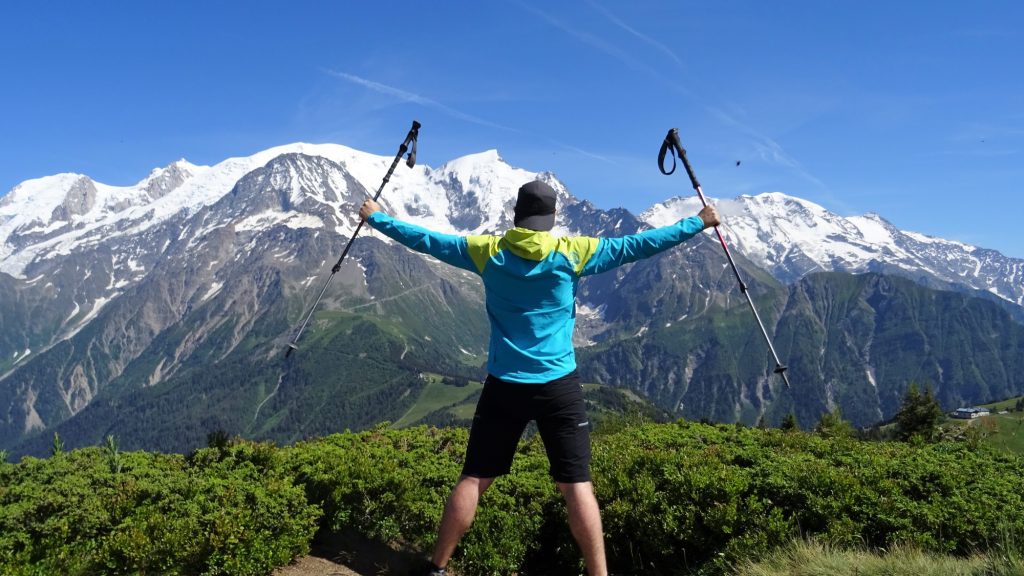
[530, 279]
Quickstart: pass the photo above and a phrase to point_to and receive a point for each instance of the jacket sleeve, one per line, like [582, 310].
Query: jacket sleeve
[448, 248]
[614, 252]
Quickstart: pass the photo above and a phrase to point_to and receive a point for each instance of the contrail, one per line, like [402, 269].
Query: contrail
[406, 96]
[768, 148]
[615, 20]
[596, 42]
[414, 98]
[583, 152]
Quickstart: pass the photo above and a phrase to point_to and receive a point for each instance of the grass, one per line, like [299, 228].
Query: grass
[810, 558]
[1007, 430]
[464, 411]
[1002, 405]
[436, 395]
[1003, 431]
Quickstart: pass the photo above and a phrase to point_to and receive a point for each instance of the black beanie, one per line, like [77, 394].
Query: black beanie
[535, 206]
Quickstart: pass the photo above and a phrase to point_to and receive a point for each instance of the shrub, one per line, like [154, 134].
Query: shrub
[678, 498]
[695, 497]
[152, 513]
[391, 485]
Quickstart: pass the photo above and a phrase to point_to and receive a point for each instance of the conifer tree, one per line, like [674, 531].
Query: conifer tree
[832, 425]
[113, 454]
[58, 445]
[789, 423]
[919, 415]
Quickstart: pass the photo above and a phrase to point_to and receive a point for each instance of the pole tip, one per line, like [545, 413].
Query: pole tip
[291, 348]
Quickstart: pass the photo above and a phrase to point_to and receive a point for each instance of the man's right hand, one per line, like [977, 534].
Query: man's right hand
[710, 216]
[368, 207]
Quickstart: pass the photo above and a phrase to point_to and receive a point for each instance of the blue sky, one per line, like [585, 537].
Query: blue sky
[911, 109]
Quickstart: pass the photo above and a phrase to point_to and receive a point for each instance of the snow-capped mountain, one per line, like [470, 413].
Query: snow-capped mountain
[99, 275]
[58, 215]
[110, 238]
[791, 238]
[173, 298]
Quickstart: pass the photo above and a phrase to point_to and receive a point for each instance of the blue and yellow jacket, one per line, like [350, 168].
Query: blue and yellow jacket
[530, 281]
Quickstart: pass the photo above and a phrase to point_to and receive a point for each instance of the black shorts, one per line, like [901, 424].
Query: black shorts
[502, 414]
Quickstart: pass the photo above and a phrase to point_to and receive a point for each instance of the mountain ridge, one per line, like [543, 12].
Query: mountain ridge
[166, 324]
[792, 237]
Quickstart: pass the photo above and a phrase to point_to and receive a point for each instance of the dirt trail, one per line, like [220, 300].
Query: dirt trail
[352, 555]
[314, 566]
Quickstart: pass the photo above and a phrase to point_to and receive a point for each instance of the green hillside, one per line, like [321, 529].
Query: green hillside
[439, 395]
[852, 341]
[1008, 432]
[452, 401]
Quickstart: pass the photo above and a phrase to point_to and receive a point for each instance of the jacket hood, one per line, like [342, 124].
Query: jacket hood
[529, 244]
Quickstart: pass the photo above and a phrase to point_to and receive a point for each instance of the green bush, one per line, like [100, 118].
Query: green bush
[677, 498]
[391, 485]
[222, 512]
[690, 497]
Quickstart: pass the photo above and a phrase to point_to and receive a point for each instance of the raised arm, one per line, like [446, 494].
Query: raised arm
[614, 252]
[448, 248]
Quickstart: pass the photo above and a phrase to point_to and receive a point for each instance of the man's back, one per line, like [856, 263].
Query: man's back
[530, 279]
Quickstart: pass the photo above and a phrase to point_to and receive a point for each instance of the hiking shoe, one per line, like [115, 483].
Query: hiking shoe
[432, 570]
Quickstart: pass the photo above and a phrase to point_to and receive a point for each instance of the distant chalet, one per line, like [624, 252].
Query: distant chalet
[970, 413]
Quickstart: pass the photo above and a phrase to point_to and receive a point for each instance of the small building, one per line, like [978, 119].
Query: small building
[970, 413]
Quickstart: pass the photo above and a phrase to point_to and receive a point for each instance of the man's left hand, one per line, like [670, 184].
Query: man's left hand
[710, 216]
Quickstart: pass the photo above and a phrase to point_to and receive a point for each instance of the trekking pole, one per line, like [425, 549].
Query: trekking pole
[673, 144]
[409, 142]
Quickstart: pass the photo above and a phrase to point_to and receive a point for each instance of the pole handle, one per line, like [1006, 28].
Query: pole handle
[674, 145]
[411, 139]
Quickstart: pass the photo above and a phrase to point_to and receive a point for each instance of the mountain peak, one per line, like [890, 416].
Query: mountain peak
[765, 197]
[473, 162]
[472, 194]
[45, 193]
[33, 203]
[161, 181]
